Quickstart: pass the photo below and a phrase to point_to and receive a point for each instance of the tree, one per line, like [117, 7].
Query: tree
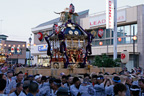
[106, 61]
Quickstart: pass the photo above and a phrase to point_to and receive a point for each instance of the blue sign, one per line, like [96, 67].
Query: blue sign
[42, 48]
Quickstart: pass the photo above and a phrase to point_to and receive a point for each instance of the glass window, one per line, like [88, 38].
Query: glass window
[107, 42]
[104, 33]
[134, 28]
[111, 41]
[120, 31]
[93, 43]
[127, 30]
[112, 33]
[107, 33]
[127, 40]
[97, 42]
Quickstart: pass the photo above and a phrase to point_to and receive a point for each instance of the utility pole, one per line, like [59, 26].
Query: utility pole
[115, 30]
[30, 39]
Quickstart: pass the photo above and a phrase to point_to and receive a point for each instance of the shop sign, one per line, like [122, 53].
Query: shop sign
[101, 19]
[109, 14]
[42, 48]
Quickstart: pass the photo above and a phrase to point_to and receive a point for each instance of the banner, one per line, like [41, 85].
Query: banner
[110, 14]
[99, 20]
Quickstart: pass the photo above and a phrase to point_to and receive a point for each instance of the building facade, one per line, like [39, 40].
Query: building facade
[130, 21]
[16, 51]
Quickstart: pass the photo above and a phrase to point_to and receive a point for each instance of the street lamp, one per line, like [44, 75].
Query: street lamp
[30, 39]
[134, 39]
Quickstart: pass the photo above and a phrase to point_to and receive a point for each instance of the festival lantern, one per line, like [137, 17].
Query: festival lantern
[71, 8]
[23, 45]
[18, 50]
[40, 36]
[100, 43]
[100, 33]
[119, 39]
[12, 49]
[56, 28]
[124, 56]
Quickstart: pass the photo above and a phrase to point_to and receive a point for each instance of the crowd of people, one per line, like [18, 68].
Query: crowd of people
[124, 83]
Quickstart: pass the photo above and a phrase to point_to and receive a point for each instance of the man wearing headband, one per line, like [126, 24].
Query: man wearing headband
[109, 89]
[99, 87]
[134, 90]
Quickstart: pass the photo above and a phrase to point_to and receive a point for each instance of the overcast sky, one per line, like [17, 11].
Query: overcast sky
[17, 17]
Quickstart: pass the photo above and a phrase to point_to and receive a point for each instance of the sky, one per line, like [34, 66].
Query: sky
[17, 17]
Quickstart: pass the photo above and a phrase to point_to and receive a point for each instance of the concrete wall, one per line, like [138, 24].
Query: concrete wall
[16, 43]
[99, 50]
[56, 72]
[140, 17]
[131, 16]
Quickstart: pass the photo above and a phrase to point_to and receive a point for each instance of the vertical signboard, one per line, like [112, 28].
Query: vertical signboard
[110, 14]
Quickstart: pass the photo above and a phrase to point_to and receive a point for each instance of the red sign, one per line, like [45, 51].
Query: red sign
[123, 56]
[100, 33]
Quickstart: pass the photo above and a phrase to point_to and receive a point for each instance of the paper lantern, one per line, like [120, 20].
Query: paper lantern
[100, 43]
[18, 49]
[56, 28]
[100, 33]
[12, 49]
[40, 36]
[119, 39]
[71, 8]
[124, 56]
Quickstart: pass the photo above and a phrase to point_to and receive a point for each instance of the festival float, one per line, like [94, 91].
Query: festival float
[69, 44]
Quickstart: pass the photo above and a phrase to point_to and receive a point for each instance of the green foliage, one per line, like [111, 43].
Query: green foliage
[105, 61]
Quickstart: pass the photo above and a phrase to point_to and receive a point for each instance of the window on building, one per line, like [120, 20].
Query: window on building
[134, 29]
[127, 40]
[104, 34]
[127, 30]
[108, 33]
[120, 31]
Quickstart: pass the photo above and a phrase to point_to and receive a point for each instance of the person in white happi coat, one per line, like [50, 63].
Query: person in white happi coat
[109, 89]
[68, 84]
[99, 87]
[57, 85]
[26, 84]
[19, 88]
[75, 87]
[13, 83]
[9, 79]
[85, 88]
